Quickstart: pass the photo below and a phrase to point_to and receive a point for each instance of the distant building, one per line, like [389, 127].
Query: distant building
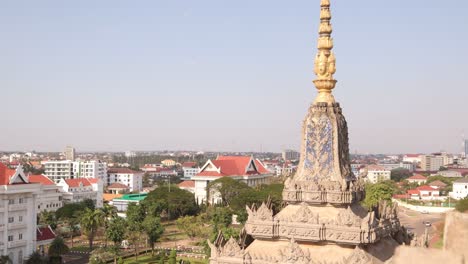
[425, 192]
[67, 169]
[454, 173]
[376, 173]
[437, 185]
[122, 203]
[18, 214]
[403, 165]
[94, 169]
[431, 162]
[132, 179]
[291, 155]
[417, 178]
[243, 168]
[69, 153]
[78, 190]
[466, 148]
[50, 197]
[412, 158]
[168, 163]
[57, 170]
[190, 169]
[460, 189]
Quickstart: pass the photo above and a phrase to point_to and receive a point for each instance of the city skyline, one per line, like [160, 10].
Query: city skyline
[228, 76]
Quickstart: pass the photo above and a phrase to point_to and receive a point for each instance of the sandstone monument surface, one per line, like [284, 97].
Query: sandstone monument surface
[323, 221]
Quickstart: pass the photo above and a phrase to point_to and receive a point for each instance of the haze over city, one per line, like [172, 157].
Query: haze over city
[228, 75]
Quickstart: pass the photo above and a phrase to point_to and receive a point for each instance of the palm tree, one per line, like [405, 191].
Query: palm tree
[91, 220]
[36, 258]
[5, 260]
[109, 212]
[58, 247]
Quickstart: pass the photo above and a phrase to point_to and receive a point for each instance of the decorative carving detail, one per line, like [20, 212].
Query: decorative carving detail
[305, 215]
[294, 254]
[231, 249]
[359, 256]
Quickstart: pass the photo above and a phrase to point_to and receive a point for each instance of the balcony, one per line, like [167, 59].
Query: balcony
[19, 225]
[17, 207]
[17, 243]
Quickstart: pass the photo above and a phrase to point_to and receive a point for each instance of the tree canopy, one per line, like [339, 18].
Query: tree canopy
[174, 202]
[376, 193]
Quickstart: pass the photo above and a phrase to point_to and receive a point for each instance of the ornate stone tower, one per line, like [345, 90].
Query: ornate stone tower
[323, 221]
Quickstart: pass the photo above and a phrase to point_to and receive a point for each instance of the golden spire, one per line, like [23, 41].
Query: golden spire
[325, 59]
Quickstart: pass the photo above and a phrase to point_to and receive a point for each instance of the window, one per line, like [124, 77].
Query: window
[20, 218]
[11, 219]
[11, 201]
[10, 238]
[20, 236]
[21, 200]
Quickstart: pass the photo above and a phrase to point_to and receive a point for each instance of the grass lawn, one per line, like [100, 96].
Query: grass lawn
[148, 259]
[80, 248]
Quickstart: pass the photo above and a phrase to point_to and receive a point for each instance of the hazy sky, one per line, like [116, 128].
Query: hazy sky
[228, 75]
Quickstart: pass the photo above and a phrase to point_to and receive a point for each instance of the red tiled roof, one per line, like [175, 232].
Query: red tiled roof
[44, 233]
[76, 182]
[412, 155]
[5, 174]
[413, 192]
[425, 188]
[117, 185]
[234, 166]
[437, 183]
[187, 184]
[121, 171]
[417, 177]
[40, 179]
[189, 164]
[92, 180]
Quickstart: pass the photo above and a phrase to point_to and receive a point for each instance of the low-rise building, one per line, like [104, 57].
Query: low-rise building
[412, 158]
[402, 165]
[18, 198]
[190, 169]
[376, 173]
[460, 189]
[50, 197]
[242, 168]
[133, 179]
[44, 236]
[425, 192]
[437, 185]
[168, 163]
[417, 178]
[118, 188]
[122, 203]
[78, 190]
[187, 185]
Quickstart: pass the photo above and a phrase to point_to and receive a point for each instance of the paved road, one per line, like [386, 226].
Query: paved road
[414, 221]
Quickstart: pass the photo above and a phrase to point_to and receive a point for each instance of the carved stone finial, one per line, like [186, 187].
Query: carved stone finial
[325, 62]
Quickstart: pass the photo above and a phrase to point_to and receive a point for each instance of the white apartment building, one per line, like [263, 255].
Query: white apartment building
[57, 170]
[93, 169]
[50, 197]
[376, 173]
[403, 165]
[290, 155]
[67, 169]
[412, 158]
[78, 190]
[460, 189]
[17, 214]
[242, 168]
[190, 169]
[133, 179]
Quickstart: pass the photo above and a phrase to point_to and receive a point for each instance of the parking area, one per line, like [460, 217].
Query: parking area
[415, 221]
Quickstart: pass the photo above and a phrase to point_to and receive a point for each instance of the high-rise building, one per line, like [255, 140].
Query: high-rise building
[289, 154]
[435, 161]
[69, 153]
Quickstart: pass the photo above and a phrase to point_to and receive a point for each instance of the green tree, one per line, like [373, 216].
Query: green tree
[48, 218]
[36, 258]
[172, 257]
[227, 188]
[376, 193]
[146, 179]
[190, 225]
[400, 174]
[109, 212]
[56, 249]
[173, 202]
[153, 229]
[116, 233]
[135, 217]
[462, 205]
[91, 220]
